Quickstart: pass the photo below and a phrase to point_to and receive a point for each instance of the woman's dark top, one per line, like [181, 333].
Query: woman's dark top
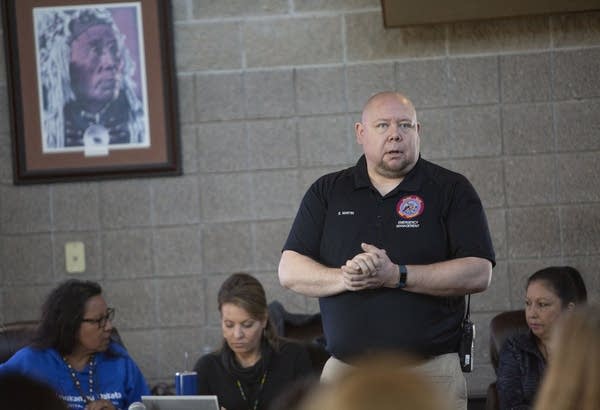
[219, 374]
[521, 366]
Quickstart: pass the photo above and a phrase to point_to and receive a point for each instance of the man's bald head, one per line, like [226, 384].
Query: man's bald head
[377, 98]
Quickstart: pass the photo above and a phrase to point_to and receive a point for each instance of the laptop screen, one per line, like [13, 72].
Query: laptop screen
[180, 402]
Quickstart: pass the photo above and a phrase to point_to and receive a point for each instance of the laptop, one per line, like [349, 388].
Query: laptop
[180, 402]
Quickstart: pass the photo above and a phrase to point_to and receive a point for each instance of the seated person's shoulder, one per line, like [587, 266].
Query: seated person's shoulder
[291, 347]
[29, 354]
[208, 361]
[296, 353]
[118, 349]
[519, 341]
[517, 346]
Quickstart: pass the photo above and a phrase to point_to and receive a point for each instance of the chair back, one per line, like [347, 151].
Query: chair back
[502, 326]
[305, 329]
[14, 336]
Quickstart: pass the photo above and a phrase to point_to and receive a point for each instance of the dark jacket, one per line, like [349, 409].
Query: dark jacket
[239, 388]
[520, 370]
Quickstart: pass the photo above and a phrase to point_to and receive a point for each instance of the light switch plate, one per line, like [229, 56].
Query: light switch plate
[75, 257]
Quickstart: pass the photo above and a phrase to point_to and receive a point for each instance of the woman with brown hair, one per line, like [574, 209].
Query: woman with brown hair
[253, 366]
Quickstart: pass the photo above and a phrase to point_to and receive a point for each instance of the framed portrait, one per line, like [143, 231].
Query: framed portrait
[91, 89]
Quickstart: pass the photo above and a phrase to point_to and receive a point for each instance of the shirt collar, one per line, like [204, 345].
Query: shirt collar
[411, 182]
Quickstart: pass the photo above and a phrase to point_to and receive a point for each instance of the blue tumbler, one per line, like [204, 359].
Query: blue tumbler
[186, 383]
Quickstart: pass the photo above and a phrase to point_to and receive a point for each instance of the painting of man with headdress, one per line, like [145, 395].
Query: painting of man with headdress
[91, 78]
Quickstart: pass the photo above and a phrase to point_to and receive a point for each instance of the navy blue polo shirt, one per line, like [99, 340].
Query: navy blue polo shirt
[434, 215]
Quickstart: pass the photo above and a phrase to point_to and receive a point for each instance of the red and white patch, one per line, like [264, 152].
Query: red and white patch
[410, 206]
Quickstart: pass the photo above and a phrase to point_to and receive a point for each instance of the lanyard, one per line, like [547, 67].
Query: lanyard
[87, 399]
[262, 383]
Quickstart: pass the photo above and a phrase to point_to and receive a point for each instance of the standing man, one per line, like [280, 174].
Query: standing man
[390, 247]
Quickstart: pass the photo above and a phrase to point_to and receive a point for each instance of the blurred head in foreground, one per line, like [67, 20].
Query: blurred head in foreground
[572, 379]
[383, 382]
[18, 392]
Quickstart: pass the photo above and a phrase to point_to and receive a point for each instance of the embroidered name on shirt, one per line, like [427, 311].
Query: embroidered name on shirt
[345, 213]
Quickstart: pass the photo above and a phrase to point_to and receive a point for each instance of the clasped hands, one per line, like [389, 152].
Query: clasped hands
[369, 270]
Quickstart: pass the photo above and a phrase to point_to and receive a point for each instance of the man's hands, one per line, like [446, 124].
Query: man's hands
[373, 269]
[370, 270]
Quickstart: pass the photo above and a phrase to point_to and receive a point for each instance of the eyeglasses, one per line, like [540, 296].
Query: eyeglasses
[404, 127]
[101, 322]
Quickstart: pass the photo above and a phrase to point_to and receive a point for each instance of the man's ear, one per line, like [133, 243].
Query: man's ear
[359, 131]
[570, 306]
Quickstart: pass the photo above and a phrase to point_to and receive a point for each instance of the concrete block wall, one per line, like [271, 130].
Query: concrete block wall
[268, 92]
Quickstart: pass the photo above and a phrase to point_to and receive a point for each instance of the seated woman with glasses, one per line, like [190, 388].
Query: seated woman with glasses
[253, 366]
[522, 362]
[73, 352]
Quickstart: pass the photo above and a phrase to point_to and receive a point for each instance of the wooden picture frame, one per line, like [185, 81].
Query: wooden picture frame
[91, 89]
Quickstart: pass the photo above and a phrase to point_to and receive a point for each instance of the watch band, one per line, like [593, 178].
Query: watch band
[402, 280]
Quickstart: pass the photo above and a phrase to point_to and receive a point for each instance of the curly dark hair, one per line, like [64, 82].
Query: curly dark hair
[246, 292]
[565, 281]
[62, 314]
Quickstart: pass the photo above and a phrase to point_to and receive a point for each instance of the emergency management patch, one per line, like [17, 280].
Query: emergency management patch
[410, 207]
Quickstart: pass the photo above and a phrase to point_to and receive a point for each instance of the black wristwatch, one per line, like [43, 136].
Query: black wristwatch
[402, 281]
